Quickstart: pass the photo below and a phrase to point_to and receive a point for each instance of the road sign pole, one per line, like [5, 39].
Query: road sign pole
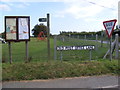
[110, 49]
[48, 35]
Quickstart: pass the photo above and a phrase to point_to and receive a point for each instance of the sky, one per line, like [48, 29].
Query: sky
[65, 15]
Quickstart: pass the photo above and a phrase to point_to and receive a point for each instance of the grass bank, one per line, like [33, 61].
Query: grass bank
[51, 70]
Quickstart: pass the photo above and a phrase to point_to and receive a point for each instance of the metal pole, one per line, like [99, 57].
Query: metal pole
[10, 52]
[26, 44]
[102, 39]
[55, 56]
[117, 47]
[48, 35]
[110, 50]
[61, 55]
[96, 42]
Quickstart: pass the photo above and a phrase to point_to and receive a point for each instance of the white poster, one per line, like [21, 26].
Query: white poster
[23, 28]
[11, 28]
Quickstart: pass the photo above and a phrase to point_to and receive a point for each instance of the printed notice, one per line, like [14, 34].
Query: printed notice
[11, 28]
[23, 28]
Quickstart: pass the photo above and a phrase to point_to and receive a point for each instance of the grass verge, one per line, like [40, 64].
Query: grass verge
[52, 69]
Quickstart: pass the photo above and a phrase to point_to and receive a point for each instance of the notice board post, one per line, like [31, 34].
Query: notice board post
[17, 29]
[10, 52]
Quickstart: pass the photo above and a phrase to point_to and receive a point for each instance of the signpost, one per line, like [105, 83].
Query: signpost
[66, 48]
[84, 47]
[109, 27]
[42, 19]
[48, 32]
[17, 28]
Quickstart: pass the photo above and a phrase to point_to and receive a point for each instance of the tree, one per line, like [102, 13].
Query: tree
[2, 35]
[39, 28]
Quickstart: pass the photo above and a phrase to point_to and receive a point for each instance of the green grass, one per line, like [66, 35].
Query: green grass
[98, 53]
[75, 63]
[37, 51]
[51, 70]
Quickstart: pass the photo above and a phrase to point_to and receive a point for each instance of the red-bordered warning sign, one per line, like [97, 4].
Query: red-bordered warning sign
[109, 26]
[41, 36]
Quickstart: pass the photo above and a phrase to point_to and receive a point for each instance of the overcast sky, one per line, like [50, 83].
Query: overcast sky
[65, 15]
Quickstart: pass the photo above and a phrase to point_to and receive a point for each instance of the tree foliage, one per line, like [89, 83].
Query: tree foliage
[2, 35]
[39, 28]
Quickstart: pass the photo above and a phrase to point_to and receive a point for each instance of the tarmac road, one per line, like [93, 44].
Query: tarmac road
[105, 81]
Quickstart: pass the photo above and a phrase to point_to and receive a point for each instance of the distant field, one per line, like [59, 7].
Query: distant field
[38, 50]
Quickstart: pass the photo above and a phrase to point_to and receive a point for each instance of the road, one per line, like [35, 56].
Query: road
[105, 81]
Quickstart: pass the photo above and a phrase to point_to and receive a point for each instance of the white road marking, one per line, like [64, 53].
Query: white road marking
[112, 86]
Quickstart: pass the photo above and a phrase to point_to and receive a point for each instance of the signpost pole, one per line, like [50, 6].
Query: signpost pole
[110, 49]
[90, 54]
[48, 35]
[61, 55]
[10, 52]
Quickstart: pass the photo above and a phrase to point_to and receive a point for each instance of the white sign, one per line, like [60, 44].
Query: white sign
[23, 28]
[85, 47]
[11, 28]
[109, 26]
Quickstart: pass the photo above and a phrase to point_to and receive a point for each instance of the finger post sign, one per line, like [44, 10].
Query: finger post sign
[109, 26]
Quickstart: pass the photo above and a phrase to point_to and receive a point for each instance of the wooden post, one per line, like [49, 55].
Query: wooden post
[48, 35]
[117, 47]
[26, 44]
[10, 52]
[85, 37]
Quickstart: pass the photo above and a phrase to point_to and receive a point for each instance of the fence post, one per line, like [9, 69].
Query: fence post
[55, 56]
[96, 41]
[85, 37]
[78, 37]
[117, 47]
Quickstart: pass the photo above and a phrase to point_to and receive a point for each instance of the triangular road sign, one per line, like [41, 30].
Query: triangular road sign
[109, 26]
